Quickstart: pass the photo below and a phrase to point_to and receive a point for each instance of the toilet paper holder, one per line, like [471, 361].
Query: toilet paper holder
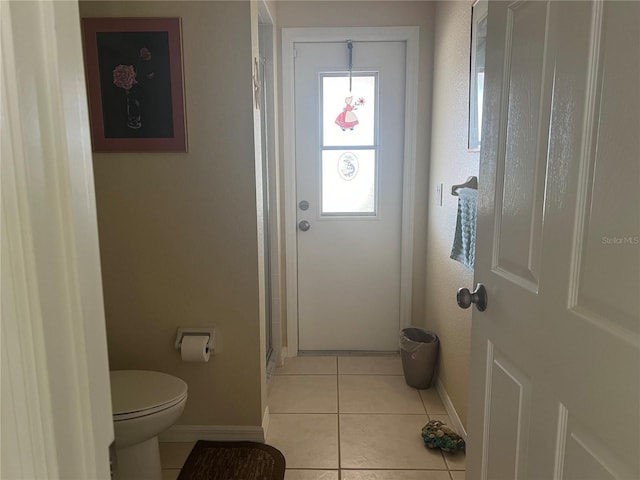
[184, 331]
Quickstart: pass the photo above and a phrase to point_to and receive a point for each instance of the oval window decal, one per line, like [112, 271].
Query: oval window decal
[348, 166]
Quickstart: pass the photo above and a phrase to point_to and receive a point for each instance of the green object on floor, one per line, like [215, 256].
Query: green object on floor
[436, 434]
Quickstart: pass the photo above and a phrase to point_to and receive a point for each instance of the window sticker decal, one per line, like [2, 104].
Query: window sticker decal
[348, 166]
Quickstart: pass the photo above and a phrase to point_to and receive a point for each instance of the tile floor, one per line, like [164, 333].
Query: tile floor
[347, 418]
[355, 418]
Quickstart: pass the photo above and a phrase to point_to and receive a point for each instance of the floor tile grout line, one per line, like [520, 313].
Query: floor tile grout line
[392, 469]
[338, 408]
[351, 469]
[302, 374]
[424, 404]
[364, 374]
[351, 413]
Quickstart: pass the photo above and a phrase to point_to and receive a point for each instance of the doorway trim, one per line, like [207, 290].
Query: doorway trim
[266, 34]
[290, 36]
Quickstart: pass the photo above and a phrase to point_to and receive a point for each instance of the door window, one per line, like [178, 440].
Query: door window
[349, 149]
[348, 182]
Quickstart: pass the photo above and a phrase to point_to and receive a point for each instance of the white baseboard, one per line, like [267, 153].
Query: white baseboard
[451, 410]
[283, 356]
[217, 433]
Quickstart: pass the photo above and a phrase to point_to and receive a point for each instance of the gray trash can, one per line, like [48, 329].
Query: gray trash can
[419, 351]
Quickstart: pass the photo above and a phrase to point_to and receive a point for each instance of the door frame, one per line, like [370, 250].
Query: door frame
[290, 36]
[266, 29]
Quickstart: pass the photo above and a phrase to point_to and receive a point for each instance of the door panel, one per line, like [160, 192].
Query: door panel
[583, 456]
[507, 424]
[563, 312]
[522, 160]
[604, 241]
[349, 258]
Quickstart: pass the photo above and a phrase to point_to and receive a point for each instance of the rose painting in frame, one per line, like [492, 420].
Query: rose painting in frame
[134, 83]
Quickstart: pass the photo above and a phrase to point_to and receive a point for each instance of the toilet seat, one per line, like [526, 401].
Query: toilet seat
[138, 393]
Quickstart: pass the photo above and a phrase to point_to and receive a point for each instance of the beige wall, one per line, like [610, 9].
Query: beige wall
[451, 164]
[178, 230]
[372, 14]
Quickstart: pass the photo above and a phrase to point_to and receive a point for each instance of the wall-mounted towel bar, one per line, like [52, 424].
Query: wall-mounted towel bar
[472, 182]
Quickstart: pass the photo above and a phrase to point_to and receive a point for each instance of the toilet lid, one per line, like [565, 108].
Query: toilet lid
[142, 390]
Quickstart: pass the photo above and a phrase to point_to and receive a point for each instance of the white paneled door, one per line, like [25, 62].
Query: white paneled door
[349, 173]
[555, 368]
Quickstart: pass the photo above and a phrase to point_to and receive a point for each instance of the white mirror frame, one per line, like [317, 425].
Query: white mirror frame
[476, 78]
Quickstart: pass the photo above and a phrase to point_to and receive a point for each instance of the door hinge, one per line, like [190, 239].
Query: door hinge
[295, 53]
[113, 461]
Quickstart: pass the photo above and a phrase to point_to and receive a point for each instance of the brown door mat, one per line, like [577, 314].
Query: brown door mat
[233, 461]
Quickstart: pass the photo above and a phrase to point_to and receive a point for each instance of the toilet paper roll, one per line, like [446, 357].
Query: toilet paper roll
[194, 348]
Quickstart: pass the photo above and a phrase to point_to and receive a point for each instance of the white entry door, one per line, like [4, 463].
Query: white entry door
[555, 366]
[349, 170]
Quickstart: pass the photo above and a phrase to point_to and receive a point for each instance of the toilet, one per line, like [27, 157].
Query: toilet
[144, 404]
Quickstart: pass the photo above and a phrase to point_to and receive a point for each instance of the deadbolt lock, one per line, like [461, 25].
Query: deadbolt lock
[304, 225]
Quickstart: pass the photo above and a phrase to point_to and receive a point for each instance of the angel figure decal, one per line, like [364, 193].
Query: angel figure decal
[348, 119]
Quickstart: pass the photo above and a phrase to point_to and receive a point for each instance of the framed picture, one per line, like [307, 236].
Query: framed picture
[476, 80]
[134, 84]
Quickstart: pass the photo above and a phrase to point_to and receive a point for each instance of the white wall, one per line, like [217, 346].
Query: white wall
[451, 163]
